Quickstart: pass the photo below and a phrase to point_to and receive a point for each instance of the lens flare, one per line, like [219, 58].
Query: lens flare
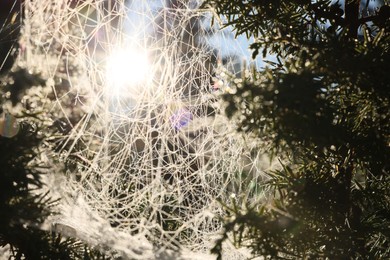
[8, 126]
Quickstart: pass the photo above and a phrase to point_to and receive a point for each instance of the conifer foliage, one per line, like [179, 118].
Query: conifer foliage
[324, 108]
[27, 135]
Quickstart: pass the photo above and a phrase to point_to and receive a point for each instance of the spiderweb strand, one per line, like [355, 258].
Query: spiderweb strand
[150, 158]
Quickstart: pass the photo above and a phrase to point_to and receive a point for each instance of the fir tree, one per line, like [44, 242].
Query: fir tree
[27, 135]
[323, 107]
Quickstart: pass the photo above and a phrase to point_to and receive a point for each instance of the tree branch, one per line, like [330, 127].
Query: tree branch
[352, 17]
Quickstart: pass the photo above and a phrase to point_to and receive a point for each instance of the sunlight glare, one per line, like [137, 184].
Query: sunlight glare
[126, 68]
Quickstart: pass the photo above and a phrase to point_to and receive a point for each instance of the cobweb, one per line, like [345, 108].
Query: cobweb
[148, 153]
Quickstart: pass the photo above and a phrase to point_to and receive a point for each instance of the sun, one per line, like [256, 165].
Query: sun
[126, 69]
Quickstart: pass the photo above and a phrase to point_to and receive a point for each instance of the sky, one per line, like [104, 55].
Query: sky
[141, 13]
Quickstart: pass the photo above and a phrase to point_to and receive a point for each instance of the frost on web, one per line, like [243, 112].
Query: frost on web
[148, 153]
